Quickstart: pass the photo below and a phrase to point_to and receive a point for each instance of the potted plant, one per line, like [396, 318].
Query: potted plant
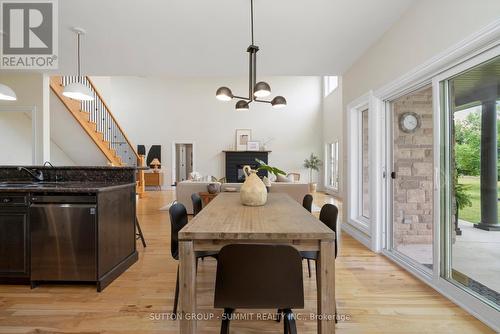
[462, 200]
[313, 163]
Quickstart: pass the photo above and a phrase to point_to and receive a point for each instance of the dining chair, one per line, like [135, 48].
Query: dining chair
[307, 202]
[328, 215]
[197, 204]
[251, 276]
[179, 219]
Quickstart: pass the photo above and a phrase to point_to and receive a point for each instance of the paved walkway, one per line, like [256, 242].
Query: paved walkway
[475, 253]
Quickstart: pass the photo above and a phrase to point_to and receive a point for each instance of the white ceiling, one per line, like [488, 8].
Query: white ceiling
[210, 37]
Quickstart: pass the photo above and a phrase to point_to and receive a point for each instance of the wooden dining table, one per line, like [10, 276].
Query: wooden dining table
[280, 221]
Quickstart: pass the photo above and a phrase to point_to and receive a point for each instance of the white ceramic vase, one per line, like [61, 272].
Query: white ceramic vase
[253, 192]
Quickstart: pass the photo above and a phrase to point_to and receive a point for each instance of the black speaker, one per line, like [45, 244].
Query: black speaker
[141, 149]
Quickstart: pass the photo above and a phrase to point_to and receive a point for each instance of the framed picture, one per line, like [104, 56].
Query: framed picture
[243, 136]
[253, 146]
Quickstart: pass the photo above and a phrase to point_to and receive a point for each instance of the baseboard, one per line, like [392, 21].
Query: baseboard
[357, 234]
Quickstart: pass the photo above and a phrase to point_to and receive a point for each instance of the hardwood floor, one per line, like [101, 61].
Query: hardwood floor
[376, 295]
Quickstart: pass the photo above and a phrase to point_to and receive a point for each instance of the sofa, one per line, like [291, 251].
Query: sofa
[185, 189]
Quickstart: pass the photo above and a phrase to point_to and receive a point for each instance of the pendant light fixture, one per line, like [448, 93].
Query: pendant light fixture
[256, 90]
[6, 93]
[77, 90]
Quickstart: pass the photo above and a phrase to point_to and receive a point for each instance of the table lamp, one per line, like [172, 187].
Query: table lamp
[155, 163]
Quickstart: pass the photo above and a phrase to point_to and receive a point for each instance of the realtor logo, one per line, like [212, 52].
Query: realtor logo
[28, 34]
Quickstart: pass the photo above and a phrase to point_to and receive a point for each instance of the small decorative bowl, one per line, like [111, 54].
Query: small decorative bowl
[213, 188]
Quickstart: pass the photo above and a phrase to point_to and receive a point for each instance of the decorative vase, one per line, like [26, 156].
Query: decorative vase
[253, 192]
[313, 187]
[213, 188]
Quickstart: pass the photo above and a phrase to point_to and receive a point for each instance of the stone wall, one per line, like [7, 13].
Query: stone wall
[413, 163]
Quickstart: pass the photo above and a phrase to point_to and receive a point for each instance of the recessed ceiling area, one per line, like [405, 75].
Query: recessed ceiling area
[210, 37]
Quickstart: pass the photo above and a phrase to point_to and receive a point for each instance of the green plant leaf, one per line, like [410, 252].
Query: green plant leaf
[272, 170]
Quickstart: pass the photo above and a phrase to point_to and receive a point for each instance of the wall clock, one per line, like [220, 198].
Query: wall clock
[409, 122]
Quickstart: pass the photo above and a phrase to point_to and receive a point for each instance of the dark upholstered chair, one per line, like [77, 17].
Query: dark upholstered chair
[259, 277]
[328, 215]
[179, 219]
[197, 204]
[307, 202]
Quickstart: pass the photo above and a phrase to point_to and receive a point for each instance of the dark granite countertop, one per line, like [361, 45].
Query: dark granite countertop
[66, 187]
[91, 177]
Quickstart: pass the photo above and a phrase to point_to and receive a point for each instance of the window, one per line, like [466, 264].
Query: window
[359, 170]
[365, 166]
[332, 165]
[330, 83]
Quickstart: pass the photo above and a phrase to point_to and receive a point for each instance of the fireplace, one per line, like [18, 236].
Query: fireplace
[236, 160]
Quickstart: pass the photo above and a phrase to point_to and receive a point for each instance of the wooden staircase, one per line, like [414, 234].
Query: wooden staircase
[97, 121]
[102, 127]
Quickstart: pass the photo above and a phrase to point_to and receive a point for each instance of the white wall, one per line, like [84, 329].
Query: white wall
[71, 145]
[16, 138]
[427, 28]
[163, 110]
[333, 128]
[32, 92]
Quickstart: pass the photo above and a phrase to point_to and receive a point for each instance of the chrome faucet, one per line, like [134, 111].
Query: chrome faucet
[36, 174]
[57, 176]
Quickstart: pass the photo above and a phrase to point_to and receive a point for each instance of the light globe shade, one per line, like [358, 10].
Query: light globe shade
[7, 94]
[77, 91]
[224, 94]
[241, 105]
[278, 102]
[262, 89]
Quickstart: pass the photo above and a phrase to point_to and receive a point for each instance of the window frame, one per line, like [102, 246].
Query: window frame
[355, 166]
[335, 186]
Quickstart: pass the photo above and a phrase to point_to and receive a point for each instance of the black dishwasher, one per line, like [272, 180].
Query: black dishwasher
[63, 237]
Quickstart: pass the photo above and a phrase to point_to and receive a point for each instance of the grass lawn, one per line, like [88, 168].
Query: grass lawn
[472, 213]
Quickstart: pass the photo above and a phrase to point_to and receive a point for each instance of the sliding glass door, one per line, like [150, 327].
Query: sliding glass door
[470, 224]
[411, 177]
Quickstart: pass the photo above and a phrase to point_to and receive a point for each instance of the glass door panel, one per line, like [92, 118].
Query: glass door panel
[365, 166]
[412, 176]
[472, 225]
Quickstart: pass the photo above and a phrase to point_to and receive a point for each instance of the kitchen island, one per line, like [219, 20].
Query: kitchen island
[66, 224]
